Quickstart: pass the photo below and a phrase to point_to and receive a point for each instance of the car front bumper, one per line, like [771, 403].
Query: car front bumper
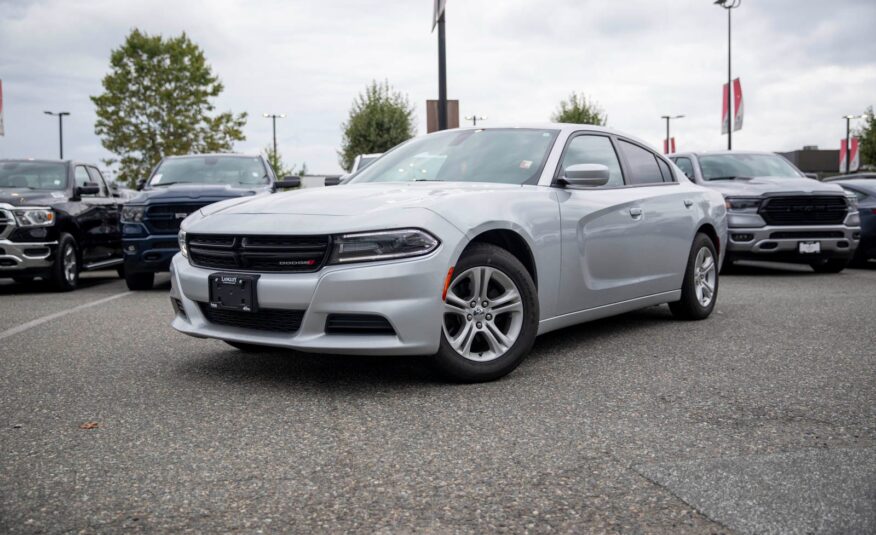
[22, 257]
[407, 293]
[150, 254]
[782, 242]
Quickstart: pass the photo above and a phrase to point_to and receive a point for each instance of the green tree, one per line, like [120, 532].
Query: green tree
[157, 101]
[578, 109]
[380, 119]
[279, 167]
[867, 140]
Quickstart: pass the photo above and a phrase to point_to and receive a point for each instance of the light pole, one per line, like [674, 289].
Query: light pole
[668, 118]
[729, 5]
[60, 115]
[848, 119]
[274, 117]
[475, 118]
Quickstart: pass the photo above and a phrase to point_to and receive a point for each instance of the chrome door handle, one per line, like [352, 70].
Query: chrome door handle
[688, 203]
[636, 213]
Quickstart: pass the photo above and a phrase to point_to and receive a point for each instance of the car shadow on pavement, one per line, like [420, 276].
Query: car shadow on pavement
[39, 286]
[767, 268]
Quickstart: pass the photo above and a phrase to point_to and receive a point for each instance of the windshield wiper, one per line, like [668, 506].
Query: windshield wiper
[427, 180]
[730, 178]
[171, 183]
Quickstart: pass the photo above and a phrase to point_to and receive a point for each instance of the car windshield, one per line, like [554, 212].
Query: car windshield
[33, 175]
[230, 170]
[729, 166]
[510, 156]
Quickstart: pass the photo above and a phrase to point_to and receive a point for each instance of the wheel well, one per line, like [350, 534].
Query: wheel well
[514, 244]
[709, 231]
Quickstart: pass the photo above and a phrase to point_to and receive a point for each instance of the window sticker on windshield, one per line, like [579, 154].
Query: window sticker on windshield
[526, 164]
[58, 195]
[255, 174]
[156, 179]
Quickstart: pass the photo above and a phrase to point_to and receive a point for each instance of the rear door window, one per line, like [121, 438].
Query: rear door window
[642, 163]
[686, 166]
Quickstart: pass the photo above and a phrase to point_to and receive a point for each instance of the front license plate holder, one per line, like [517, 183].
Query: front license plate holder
[809, 247]
[234, 291]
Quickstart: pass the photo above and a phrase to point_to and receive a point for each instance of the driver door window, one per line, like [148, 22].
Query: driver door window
[593, 149]
[98, 179]
[82, 178]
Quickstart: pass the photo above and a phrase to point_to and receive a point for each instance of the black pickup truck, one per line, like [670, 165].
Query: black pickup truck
[57, 218]
[178, 186]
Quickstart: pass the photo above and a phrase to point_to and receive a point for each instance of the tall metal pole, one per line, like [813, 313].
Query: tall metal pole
[442, 76]
[274, 123]
[848, 143]
[729, 86]
[667, 135]
[61, 133]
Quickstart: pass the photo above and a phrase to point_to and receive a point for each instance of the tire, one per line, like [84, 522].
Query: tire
[697, 301]
[483, 354]
[139, 281]
[121, 271]
[250, 348]
[64, 275]
[831, 265]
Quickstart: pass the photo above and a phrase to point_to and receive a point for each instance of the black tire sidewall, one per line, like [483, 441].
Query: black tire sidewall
[59, 278]
[458, 368]
[689, 306]
[139, 281]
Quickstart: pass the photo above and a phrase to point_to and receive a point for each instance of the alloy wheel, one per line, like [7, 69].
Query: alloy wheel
[705, 276]
[69, 261]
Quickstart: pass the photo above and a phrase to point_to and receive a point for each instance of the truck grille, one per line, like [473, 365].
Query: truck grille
[166, 218]
[285, 254]
[5, 221]
[266, 319]
[804, 210]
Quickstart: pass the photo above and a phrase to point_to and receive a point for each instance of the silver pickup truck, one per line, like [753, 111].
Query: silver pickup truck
[777, 213]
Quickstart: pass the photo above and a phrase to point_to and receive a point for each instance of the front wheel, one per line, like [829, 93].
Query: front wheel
[699, 292]
[139, 281]
[490, 316]
[65, 271]
[832, 265]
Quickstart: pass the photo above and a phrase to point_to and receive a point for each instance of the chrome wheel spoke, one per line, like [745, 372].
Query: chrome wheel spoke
[462, 342]
[508, 302]
[496, 338]
[454, 304]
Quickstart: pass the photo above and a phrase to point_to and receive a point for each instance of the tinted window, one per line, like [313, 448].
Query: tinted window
[231, 170]
[686, 166]
[643, 164]
[33, 175]
[665, 171]
[97, 178]
[82, 177]
[728, 166]
[593, 149]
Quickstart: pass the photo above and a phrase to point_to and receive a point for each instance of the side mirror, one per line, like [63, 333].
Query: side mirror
[288, 182]
[332, 180]
[812, 175]
[586, 174]
[141, 184]
[89, 188]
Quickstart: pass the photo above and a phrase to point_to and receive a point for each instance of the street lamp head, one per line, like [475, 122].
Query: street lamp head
[728, 4]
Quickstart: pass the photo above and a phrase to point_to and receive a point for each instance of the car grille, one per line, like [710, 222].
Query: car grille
[804, 210]
[357, 324]
[790, 235]
[285, 254]
[166, 218]
[266, 319]
[5, 221]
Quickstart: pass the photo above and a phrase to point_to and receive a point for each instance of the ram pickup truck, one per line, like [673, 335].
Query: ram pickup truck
[775, 212]
[57, 218]
[178, 186]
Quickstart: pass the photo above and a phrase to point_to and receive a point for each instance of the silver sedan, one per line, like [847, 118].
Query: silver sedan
[463, 245]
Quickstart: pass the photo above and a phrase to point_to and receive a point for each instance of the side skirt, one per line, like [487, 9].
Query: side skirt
[573, 318]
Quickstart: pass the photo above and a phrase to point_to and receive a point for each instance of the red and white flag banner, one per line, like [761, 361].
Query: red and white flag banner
[2, 130]
[725, 111]
[855, 156]
[670, 149]
[842, 154]
[737, 105]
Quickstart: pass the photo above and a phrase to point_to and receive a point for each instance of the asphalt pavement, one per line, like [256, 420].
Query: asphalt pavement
[761, 419]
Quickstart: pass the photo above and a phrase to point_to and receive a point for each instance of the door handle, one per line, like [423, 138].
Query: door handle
[636, 213]
[688, 203]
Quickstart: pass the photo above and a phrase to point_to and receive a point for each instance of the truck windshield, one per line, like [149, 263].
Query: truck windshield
[219, 170]
[504, 155]
[33, 175]
[730, 166]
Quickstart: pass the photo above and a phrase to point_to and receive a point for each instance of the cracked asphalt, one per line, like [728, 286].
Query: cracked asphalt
[761, 419]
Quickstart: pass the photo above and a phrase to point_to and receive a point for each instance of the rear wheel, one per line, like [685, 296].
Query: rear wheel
[699, 292]
[139, 281]
[250, 348]
[65, 271]
[832, 265]
[490, 316]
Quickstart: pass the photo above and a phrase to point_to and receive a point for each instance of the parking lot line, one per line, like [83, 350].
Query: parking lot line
[39, 321]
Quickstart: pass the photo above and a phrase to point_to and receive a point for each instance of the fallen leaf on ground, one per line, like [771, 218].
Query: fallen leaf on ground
[89, 425]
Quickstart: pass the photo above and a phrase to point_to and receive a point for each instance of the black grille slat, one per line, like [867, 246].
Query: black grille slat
[284, 254]
[790, 235]
[266, 319]
[357, 324]
[161, 218]
[804, 210]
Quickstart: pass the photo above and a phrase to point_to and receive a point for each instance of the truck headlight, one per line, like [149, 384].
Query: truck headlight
[382, 245]
[181, 238]
[34, 217]
[742, 204]
[132, 214]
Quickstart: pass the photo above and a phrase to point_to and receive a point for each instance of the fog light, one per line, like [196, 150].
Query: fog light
[131, 249]
[742, 237]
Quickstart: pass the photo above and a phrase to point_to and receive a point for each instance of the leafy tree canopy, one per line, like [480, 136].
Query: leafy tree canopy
[380, 119]
[280, 169]
[578, 109]
[157, 101]
[867, 140]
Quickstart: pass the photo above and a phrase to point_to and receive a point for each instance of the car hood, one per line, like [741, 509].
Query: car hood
[360, 199]
[190, 192]
[769, 185]
[29, 197]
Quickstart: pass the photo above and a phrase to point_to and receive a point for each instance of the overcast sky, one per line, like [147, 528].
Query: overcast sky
[803, 64]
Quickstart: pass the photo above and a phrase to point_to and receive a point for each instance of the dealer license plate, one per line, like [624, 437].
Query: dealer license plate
[809, 247]
[230, 291]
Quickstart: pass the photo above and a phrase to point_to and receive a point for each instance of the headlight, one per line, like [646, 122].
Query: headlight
[383, 245]
[34, 217]
[133, 214]
[181, 237]
[853, 201]
[742, 204]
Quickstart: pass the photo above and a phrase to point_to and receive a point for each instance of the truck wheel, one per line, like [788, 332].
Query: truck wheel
[490, 316]
[139, 281]
[699, 291]
[832, 265]
[121, 271]
[64, 276]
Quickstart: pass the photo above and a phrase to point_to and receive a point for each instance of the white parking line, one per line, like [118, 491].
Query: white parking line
[39, 321]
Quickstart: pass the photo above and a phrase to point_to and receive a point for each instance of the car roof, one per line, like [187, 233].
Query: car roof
[36, 160]
[213, 155]
[864, 183]
[564, 128]
[720, 152]
[854, 176]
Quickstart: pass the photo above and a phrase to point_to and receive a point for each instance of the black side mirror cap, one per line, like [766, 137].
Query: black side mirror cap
[332, 180]
[141, 184]
[288, 182]
[89, 188]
